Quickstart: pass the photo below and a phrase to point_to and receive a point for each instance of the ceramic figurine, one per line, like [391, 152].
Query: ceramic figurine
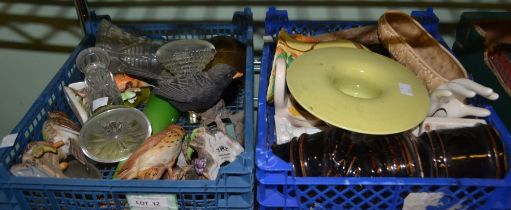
[185, 56]
[235, 120]
[58, 127]
[213, 147]
[156, 155]
[447, 99]
[196, 91]
[41, 159]
[179, 173]
[76, 97]
[125, 82]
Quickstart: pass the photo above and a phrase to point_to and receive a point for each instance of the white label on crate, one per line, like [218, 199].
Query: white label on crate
[99, 103]
[8, 140]
[417, 201]
[152, 202]
[405, 89]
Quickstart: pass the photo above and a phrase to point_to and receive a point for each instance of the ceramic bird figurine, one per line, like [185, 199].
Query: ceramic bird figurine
[58, 127]
[41, 159]
[156, 155]
[196, 91]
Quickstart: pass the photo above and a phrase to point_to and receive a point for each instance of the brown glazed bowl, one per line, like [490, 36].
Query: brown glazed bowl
[468, 152]
[312, 154]
[440, 158]
[424, 151]
[499, 151]
[294, 157]
[340, 153]
[413, 163]
[411, 45]
[341, 148]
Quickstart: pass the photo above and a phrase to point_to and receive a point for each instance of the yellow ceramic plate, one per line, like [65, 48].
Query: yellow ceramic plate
[358, 90]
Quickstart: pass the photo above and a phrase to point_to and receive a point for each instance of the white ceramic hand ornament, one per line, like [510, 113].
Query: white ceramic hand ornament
[446, 100]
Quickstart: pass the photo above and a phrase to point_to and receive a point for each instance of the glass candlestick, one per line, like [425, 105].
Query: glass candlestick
[100, 85]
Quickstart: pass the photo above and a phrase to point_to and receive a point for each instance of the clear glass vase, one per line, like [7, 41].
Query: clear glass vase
[100, 85]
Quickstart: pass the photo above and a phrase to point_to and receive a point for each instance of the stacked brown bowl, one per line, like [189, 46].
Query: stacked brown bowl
[469, 152]
[338, 152]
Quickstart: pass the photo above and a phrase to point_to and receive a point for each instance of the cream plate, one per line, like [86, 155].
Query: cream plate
[358, 90]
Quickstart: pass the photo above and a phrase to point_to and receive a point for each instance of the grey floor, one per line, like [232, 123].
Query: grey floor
[36, 37]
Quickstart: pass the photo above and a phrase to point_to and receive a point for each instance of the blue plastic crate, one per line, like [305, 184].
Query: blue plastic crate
[7, 200]
[277, 188]
[232, 189]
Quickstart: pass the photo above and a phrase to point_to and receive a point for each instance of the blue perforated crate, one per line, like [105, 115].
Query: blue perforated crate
[7, 200]
[233, 189]
[277, 188]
